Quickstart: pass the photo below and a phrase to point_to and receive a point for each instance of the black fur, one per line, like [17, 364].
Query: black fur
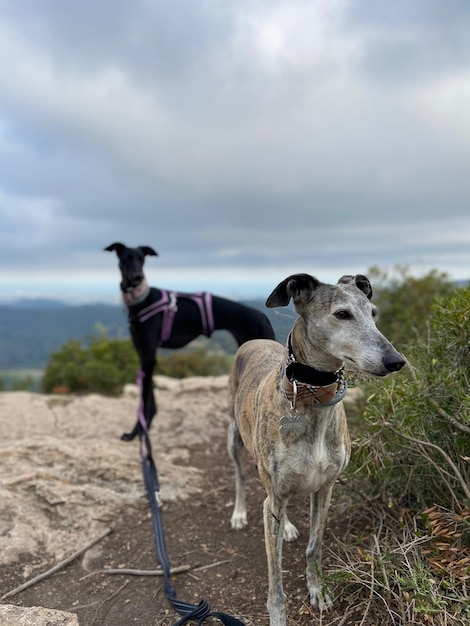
[243, 322]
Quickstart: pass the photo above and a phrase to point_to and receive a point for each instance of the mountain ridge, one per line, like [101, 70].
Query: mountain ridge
[30, 331]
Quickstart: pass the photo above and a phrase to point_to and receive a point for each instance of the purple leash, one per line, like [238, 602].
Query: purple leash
[188, 611]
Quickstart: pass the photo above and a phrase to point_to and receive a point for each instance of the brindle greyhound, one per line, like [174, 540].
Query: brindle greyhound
[287, 412]
[171, 320]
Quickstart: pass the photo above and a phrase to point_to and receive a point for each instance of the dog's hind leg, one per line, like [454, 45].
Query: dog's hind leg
[319, 504]
[290, 531]
[235, 449]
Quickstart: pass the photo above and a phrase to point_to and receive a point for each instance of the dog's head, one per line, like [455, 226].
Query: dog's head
[302, 288]
[338, 321]
[131, 262]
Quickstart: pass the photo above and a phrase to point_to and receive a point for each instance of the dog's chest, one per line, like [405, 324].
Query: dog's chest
[306, 464]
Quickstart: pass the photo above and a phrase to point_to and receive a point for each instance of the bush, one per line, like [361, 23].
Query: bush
[418, 426]
[199, 362]
[97, 364]
[18, 383]
[104, 365]
[406, 556]
[404, 302]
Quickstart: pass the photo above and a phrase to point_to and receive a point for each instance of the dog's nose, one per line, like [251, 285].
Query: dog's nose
[393, 362]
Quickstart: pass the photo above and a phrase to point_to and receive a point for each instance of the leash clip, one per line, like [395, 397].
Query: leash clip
[173, 304]
[293, 402]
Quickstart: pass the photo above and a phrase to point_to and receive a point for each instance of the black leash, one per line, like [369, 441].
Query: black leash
[188, 611]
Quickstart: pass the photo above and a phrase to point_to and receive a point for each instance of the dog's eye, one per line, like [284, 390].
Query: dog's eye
[342, 314]
[374, 312]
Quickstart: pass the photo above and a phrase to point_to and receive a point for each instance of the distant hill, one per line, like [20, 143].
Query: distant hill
[30, 330]
[29, 334]
[35, 303]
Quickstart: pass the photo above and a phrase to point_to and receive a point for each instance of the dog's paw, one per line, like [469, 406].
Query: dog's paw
[320, 600]
[128, 436]
[239, 520]
[290, 531]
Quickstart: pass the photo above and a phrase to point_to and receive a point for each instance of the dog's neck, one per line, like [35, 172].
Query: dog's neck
[304, 347]
[135, 295]
[309, 385]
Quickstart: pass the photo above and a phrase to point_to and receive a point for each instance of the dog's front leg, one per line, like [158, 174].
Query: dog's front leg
[274, 517]
[145, 345]
[319, 505]
[148, 395]
[147, 405]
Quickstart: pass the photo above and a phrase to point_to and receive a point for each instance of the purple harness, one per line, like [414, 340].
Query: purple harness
[168, 305]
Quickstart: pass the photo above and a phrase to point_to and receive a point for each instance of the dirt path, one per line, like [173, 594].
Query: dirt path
[65, 477]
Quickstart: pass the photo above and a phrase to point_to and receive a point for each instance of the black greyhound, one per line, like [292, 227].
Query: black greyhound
[171, 320]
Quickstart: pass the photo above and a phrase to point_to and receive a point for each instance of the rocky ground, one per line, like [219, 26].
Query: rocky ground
[66, 479]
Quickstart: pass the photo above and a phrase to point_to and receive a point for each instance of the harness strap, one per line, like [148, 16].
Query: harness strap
[204, 301]
[156, 307]
[189, 612]
[168, 317]
[168, 305]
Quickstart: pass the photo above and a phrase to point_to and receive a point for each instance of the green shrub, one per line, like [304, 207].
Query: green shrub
[97, 364]
[404, 302]
[404, 554]
[416, 444]
[199, 362]
[103, 365]
[23, 383]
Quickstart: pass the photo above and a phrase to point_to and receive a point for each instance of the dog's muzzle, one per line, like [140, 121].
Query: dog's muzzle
[136, 295]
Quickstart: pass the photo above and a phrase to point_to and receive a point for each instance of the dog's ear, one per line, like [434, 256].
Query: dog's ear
[361, 282]
[148, 250]
[299, 287]
[118, 247]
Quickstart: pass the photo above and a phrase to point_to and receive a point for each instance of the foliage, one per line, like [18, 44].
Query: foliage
[23, 383]
[418, 432]
[197, 362]
[96, 364]
[387, 570]
[411, 466]
[18, 383]
[104, 365]
[404, 301]
[20, 379]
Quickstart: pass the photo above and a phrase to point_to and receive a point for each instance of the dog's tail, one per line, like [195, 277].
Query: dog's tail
[233, 382]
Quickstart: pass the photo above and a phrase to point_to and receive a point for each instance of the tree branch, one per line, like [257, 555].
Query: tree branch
[57, 567]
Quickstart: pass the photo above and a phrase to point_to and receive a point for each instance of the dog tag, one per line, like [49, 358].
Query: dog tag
[295, 424]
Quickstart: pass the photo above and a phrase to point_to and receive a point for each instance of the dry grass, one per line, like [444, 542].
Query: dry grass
[401, 568]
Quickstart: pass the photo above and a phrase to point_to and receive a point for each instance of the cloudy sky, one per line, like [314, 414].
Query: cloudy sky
[243, 139]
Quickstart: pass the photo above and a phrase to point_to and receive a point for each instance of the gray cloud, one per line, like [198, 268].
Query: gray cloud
[234, 135]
